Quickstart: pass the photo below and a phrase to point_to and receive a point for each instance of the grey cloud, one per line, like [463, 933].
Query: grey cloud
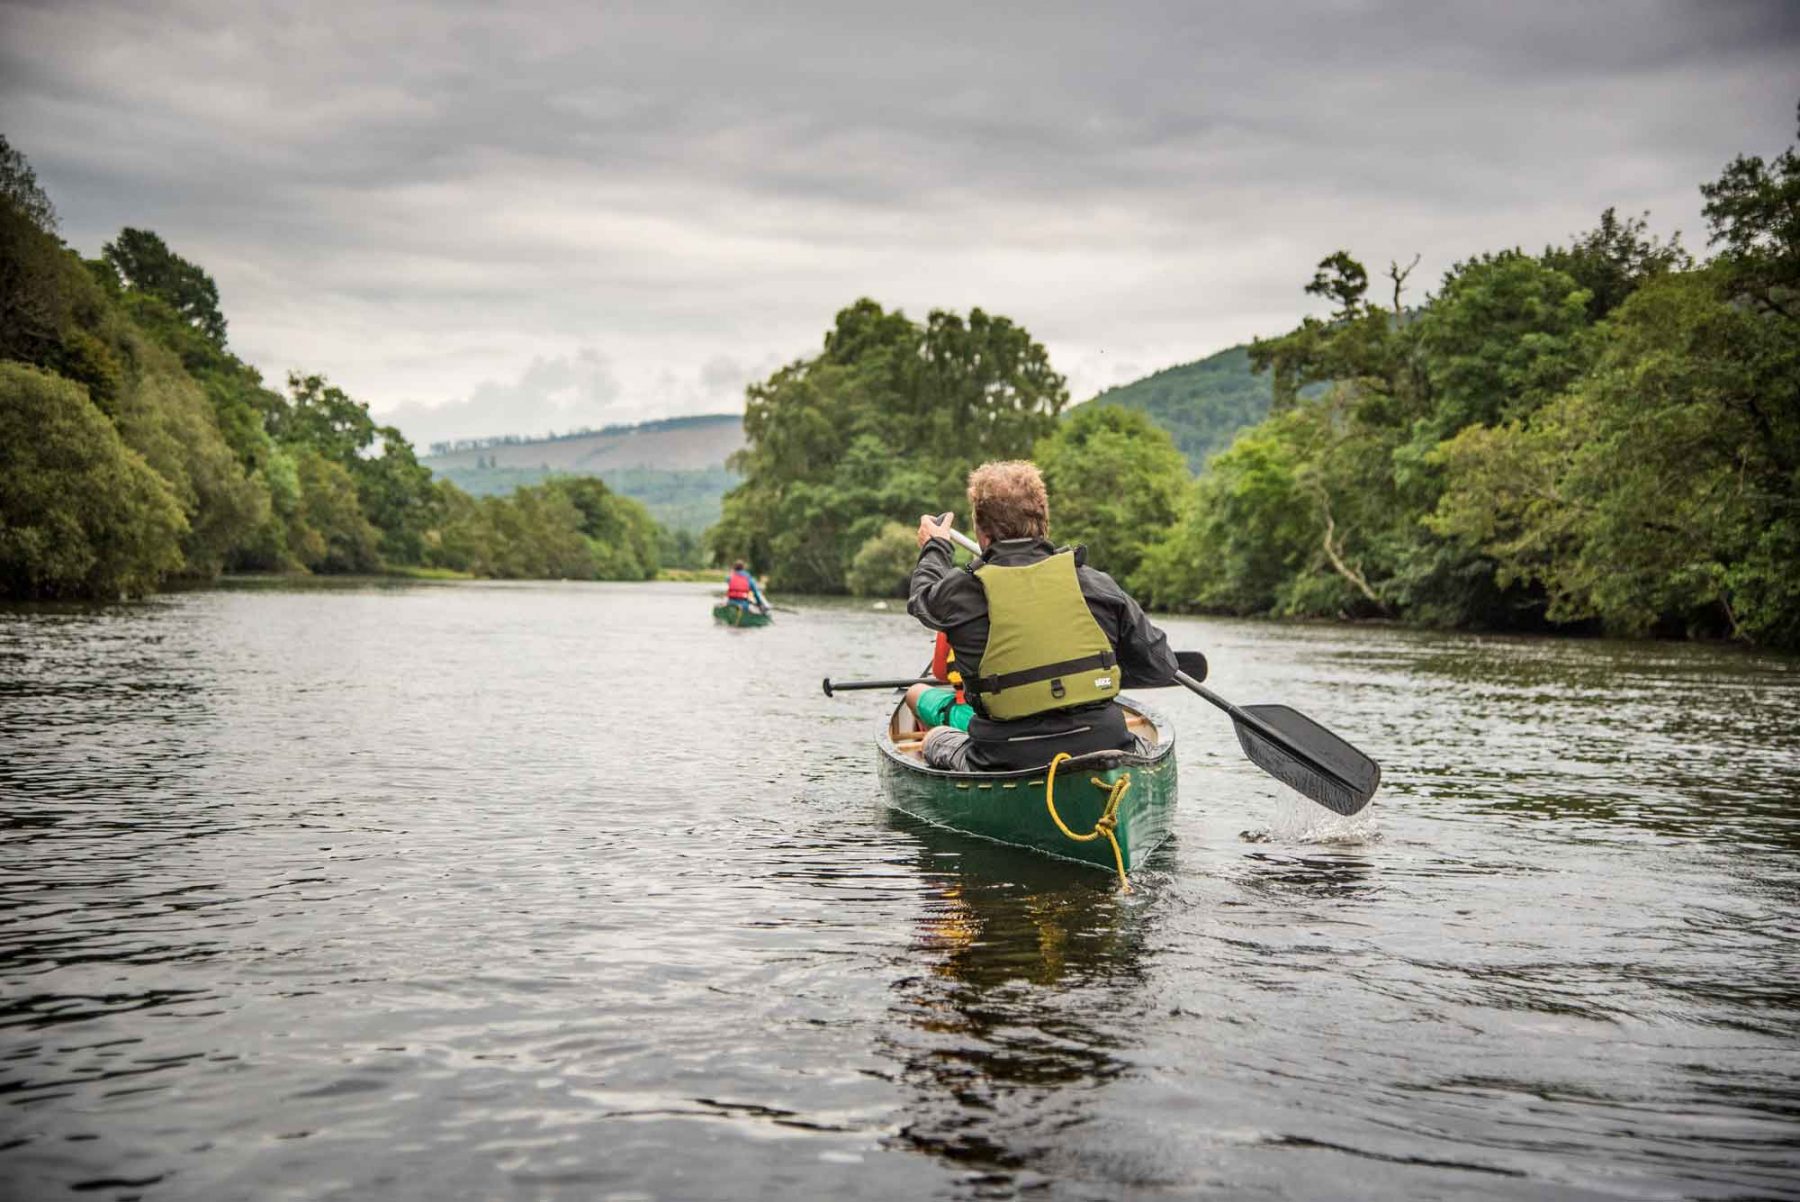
[416, 197]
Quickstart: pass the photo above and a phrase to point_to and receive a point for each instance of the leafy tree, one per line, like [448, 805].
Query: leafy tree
[332, 535]
[572, 528]
[394, 490]
[680, 548]
[1352, 466]
[459, 539]
[235, 389]
[1615, 259]
[1661, 490]
[322, 416]
[623, 541]
[274, 545]
[1248, 530]
[887, 419]
[65, 320]
[19, 188]
[882, 566]
[39, 290]
[1753, 211]
[196, 466]
[1503, 336]
[81, 514]
[165, 416]
[395, 493]
[1343, 281]
[146, 264]
[1115, 482]
[534, 534]
[1361, 344]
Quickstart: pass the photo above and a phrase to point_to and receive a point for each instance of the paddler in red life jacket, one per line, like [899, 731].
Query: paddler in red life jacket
[1043, 642]
[740, 588]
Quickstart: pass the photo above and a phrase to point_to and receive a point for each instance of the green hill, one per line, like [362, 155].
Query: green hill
[1202, 405]
[675, 466]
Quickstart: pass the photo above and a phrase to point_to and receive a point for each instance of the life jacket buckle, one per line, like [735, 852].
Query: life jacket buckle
[1056, 688]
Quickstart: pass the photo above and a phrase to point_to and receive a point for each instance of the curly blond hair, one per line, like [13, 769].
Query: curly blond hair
[1007, 500]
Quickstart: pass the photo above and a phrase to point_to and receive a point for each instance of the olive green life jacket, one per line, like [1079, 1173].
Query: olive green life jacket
[1044, 650]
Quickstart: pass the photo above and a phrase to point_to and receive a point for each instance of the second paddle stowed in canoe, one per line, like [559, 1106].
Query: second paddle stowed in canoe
[1109, 809]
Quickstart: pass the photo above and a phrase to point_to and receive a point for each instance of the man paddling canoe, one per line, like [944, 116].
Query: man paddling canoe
[1043, 642]
[740, 588]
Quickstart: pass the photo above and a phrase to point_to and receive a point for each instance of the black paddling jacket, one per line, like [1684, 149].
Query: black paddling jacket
[950, 599]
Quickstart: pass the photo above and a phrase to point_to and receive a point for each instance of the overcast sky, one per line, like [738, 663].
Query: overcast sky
[482, 218]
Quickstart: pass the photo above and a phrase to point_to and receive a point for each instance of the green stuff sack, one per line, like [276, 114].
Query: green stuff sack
[1044, 650]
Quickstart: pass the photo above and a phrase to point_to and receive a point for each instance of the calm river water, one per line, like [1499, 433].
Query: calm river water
[558, 891]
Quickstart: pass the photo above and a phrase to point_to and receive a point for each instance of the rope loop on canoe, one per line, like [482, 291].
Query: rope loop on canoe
[1108, 823]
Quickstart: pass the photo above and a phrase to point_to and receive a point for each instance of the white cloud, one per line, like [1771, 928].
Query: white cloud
[559, 394]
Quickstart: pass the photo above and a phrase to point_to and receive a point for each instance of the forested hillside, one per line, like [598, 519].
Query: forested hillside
[135, 447]
[1202, 405]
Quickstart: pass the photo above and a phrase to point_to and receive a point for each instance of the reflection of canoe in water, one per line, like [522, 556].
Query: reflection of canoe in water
[737, 615]
[1012, 807]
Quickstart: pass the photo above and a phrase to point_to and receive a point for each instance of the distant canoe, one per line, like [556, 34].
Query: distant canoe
[737, 615]
[1009, 807]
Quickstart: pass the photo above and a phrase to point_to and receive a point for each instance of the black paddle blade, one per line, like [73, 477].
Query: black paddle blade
[1193, 663]
[1326, 768]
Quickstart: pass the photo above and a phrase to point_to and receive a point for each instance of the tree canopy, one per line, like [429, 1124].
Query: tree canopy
[886, 420]
[1115, 482]
[1603, 436]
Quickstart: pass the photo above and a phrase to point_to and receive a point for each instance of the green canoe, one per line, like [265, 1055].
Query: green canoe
[737, 615]
[1010, 807]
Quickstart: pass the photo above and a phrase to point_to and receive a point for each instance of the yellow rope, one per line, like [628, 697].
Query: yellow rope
[1109, 818]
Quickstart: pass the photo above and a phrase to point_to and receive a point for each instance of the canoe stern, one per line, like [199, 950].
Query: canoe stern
[1012, 807]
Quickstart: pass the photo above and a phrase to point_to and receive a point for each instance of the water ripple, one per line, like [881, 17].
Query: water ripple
[557, 891]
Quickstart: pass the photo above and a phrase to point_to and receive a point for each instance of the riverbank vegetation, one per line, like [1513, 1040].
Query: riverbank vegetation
[1598, 436]
[1601, 436]
[136, 448]
[1604, 435]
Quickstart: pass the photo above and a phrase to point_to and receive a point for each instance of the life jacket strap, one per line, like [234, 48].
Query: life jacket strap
[1068, 667]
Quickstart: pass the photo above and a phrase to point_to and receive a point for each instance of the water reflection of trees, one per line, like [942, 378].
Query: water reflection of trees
[1027, 979]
